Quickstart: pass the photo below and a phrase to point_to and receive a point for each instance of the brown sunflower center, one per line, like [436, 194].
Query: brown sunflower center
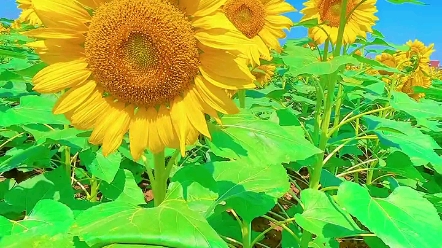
[330, 11]
[142, 52]
[248, 16]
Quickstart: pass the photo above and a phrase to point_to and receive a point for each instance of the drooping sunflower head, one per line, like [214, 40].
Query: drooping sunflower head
[360, 19]
[148, 67]
[417, 78]
[260, 20]
[388, 60]
[418, 56]
[28, 14]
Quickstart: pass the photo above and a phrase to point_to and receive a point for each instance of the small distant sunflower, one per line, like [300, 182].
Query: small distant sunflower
[388, 60]
[28, 14]
[359, 23]
[261, 21]
[147, 67]
[418, 78]
[418, 56]
[4, 30]
[264, 74]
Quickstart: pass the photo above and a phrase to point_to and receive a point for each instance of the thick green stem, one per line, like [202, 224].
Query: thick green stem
[338, 106]
[325, 123]
[160, 181]
[246, 230]
[242, 98]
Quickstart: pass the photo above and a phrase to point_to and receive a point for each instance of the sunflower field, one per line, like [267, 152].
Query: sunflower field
[186, 123]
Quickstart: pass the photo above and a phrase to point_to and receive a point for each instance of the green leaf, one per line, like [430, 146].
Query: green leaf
[68, 137]
[37, 240]
[245, 136]
[48, 216]
[50, 185]
[28, 156]
[323, 217]
[424, 109]
[250, 189]
[403, 219]
[400, 164]
[123, 188]
[32, 110]
[104, 168]
[171, 224]
[196, 185]
[5, 226]
[410, 140]
[309, 63]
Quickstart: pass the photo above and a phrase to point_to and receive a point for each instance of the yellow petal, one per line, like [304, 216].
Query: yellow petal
[199, 7]
[85, 115]
[154, 143]
[139, 133]
[104, 123]
[215, 97]
[60, 76]
[195, 115]
[165, 128]
[180, 122]
[74, 97]
[117, 129]
[62, 14]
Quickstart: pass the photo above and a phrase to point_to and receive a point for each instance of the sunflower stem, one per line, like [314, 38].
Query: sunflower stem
[160, 181]
[242, 98]
[246, 230]
[315, 174]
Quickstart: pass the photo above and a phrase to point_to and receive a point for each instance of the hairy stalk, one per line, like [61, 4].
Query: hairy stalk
[242, 98]
[316, 172]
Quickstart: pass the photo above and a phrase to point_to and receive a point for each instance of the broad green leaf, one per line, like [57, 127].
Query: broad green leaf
[321, 242]
[13, 90]
[245, 136]
[5, 226]
[123, 188]
[400, 164]
[323, 217]
[251, 189]
[403, 219]
[48, 216]
[171, 224]
[104, 168]
[226, 225]
[35, 154]
[410, 140]
[37, 240]
[196, 185]
[32, 110]
[68, 137]
[423, 109]
[50, 185]
[311, 65]
[376, 64]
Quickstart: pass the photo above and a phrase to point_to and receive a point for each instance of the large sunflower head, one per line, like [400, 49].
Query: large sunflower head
[360, 15]
[28, 14]
[148, 67]
[417, 78]
[261, 21]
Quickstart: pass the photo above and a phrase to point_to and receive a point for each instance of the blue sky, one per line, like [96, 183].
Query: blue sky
[399, 23]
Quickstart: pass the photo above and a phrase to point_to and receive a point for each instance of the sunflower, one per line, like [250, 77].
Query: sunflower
[151, 68]
[261, 21]
[264, 73]
[27, 15]
[418, 56]
[417, 78]
[327, 12]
